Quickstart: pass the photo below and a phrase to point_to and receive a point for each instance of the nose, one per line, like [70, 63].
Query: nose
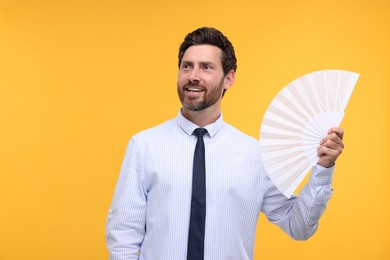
[194, 76]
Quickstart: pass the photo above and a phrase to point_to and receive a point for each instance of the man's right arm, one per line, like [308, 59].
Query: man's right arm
[125, 228]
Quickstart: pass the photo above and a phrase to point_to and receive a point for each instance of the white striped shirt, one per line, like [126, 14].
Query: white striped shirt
[150, 212]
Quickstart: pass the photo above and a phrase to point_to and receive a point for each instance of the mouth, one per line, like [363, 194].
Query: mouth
[194, 89]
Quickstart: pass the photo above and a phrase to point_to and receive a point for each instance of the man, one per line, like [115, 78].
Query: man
[155, 210]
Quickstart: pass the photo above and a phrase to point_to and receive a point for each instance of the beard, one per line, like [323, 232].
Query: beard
[209, 98]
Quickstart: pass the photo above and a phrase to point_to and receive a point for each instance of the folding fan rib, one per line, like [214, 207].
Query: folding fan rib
[282, 119]
[287, 159]
[310, 88]
[280, 131]
[275, 110]
[339, 91]
[348, 92]
[272, 122]
[290, 111]
[308, 140]
[319, 79]
[342, 90]
[332, 78]
[296, 101]
[282, 153]
[318, 124]
[294, 171]
[312, 158]
[312, 129]
[304, 101]
[300, 175]
[285, 165]
[268, 148]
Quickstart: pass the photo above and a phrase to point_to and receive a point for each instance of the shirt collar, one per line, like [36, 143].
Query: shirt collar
[189, 127]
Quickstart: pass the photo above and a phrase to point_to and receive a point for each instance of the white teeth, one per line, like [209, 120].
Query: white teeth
[194, 89]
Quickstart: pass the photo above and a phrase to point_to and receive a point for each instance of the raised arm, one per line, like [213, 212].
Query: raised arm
[299, 215]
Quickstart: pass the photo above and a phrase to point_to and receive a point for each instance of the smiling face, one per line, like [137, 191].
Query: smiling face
[201, 78]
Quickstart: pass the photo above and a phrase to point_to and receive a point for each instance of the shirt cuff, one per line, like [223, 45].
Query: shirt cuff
[321, 176]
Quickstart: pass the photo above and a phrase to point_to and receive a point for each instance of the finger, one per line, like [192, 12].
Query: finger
[332, 145]
[336, 139]
[328, 156]
[333, 137]
[337, 130]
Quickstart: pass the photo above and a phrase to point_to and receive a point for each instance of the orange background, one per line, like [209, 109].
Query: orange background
[79, 78]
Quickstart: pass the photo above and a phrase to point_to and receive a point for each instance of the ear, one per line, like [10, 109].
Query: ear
[229, 79]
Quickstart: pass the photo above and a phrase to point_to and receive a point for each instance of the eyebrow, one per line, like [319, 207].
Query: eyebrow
[200, 62]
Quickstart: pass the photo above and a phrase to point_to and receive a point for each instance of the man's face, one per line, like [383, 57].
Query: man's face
[201, 79]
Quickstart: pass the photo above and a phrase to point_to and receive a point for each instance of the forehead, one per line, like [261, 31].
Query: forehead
[203, 53]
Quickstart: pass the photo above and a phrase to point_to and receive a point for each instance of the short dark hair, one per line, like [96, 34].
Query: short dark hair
[208, 35]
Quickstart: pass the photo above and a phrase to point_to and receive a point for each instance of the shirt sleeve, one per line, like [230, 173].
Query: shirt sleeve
[125, 227]
[299, 215]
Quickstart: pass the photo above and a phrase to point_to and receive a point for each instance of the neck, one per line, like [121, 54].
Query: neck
[203, 117]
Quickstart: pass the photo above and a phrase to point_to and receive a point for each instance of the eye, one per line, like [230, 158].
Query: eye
[185, 66]
[207, 66]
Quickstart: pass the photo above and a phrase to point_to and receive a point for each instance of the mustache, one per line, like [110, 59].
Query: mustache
[193, 84]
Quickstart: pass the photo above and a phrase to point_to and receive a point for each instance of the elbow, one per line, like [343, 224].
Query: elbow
[300, 238]
[305, 233]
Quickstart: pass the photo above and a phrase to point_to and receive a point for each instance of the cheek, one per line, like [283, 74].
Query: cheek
[181, 79]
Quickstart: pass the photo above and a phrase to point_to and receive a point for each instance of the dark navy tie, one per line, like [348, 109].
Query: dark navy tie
[198, 201]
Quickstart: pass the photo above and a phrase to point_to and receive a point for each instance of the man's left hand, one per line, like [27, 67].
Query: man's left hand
[331, 147]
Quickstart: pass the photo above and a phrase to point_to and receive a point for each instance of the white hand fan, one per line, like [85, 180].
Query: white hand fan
[297, 119]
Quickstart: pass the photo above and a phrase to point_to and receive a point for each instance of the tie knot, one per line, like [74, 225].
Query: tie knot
[200, 132]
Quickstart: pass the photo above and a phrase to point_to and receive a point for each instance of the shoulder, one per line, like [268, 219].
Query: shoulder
[239, 135]
[240, 139]
[157, 132]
